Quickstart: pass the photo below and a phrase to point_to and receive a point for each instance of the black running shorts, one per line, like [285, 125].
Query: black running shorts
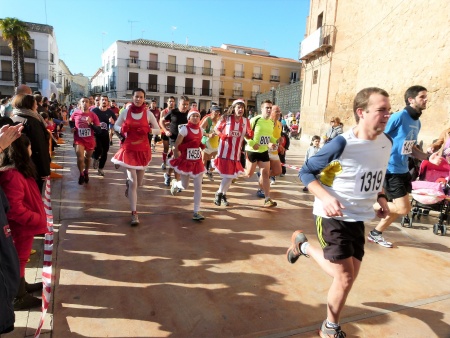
[254, 156]
[340, 239]
[397, 185]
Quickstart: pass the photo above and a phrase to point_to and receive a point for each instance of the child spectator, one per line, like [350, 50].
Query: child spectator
[312, 150]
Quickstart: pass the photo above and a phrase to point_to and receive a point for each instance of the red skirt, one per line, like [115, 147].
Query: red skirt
[187, 167]
[132, 159]
[228, 168]
[87, 143]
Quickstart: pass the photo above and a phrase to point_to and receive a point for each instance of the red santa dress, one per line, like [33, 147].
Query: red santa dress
[135, 152]
[190, 161]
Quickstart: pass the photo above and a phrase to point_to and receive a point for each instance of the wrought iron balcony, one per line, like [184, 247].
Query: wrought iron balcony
[31, 53]
[189, 69]
[133, 63]
[222, 72]
[169, 89]
[132, 85]
[28, 77]
[221, 91]
[238, 73]
[205, 92]
[274, 78]
[207, 71]
[253, 96]
[153, 87]
[188, 91]
[172, 67]
[257, 76]
[320, 41]
[238, 92]
[153, 65]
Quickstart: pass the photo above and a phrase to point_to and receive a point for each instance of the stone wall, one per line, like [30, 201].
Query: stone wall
[388, 44]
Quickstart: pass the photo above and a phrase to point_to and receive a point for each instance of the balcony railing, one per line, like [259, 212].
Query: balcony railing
[207, 71]
[169, 89]
[188, 91]
[189, 69]
[254, 95]
[238, 92]
[153, 65]
[319, 41]
[112, 85]
[153, 87]
[132, 85]
[205, 92]
[172, 67]
[275, 78]
[238, 74]
[28, 77]
[133, 63]
[222, 72]
[6, 51]
[221, 91]
[257, 76]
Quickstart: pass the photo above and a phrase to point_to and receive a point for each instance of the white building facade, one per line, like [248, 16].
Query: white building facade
[41, 61]
[162, 69]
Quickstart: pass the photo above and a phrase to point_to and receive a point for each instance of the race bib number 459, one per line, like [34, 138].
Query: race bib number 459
[369, 181]
[193, 154]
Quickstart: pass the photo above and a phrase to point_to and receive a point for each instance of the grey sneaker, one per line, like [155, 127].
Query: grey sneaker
[173, 188]
[224, 200]
[326, 332]
[272, 180]
[166, 179]
[95, 163]
[101, 172]
[379, 240]
[210, 176]
[163, 166]
[198, 216]
[294, 252]
[134, 220]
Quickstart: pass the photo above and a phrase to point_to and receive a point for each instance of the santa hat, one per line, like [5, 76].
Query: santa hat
[193, 111]
[238, 101]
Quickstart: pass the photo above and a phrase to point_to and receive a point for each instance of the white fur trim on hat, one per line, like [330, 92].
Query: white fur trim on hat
[193, 111]
[239, 101]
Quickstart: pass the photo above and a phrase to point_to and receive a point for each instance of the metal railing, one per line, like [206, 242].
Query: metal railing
[275, 78]
[207, 71]
[153, 65]
[189, 69]
[238, 73]
[132, 85]
[205, 92]
[172, 67]
[169, 89]
[238, 92]
[153, 87]
[28, 77]
[257, 76]
[222, 72]
[135, 63]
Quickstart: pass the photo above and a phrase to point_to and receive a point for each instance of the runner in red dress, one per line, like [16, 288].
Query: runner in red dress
[187, 160]
[135, 153]
[231, 129]
[83, 123]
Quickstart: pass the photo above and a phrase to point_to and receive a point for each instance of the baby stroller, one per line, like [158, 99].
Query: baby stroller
[294, 132]
[430, 192]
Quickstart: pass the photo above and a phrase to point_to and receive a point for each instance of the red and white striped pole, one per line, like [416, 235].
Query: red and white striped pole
[48, 253]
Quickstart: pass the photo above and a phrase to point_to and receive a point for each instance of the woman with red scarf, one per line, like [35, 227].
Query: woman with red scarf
[187, 160]
[135, 154]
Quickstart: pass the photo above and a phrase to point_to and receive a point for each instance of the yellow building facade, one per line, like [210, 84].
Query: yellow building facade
[246, 72]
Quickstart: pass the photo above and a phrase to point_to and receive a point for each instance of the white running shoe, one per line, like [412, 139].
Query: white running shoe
[379, 240]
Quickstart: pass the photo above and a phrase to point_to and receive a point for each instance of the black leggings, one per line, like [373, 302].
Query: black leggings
[102, 148]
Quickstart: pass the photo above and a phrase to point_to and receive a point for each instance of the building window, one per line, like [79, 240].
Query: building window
[152, 83]
[207, 70]
[237, 89]
[294, 77]
[133, 81]
[255, 91]
[275, 75]
[134, 56]
[189, 66]
[52, 58]
[257, 73]
[189, 86]
[320, 20]
[170, 88]
[172, 64]
[238, 70]
[315, 76]
[205, 88]
[153, 63]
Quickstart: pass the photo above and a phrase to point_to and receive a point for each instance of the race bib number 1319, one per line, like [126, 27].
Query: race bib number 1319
[369, 181]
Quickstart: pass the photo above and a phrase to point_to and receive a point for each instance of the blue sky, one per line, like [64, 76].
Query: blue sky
[84, 27]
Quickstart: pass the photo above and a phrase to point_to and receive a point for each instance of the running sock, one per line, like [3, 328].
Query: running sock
[170, 154]
[208, 164]
[376, 232]
[304, 248]
[331, 325]
[134, 212]
[164, 157]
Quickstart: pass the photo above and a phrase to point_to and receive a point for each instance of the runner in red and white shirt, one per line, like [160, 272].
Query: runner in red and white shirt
[187, 160]
[83, 123]
[231, 129]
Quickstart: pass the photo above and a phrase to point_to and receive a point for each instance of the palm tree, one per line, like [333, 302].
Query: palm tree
[15, 32]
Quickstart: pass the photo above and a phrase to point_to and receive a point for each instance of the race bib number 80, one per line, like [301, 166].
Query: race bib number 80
[369, 181]
[264, 140]
[193, 154]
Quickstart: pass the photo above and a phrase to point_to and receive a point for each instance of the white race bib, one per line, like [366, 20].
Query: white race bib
[180, 126]
[264, 140]
[84, 132]
[368, 181]
[407, 147]
[193, 154]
